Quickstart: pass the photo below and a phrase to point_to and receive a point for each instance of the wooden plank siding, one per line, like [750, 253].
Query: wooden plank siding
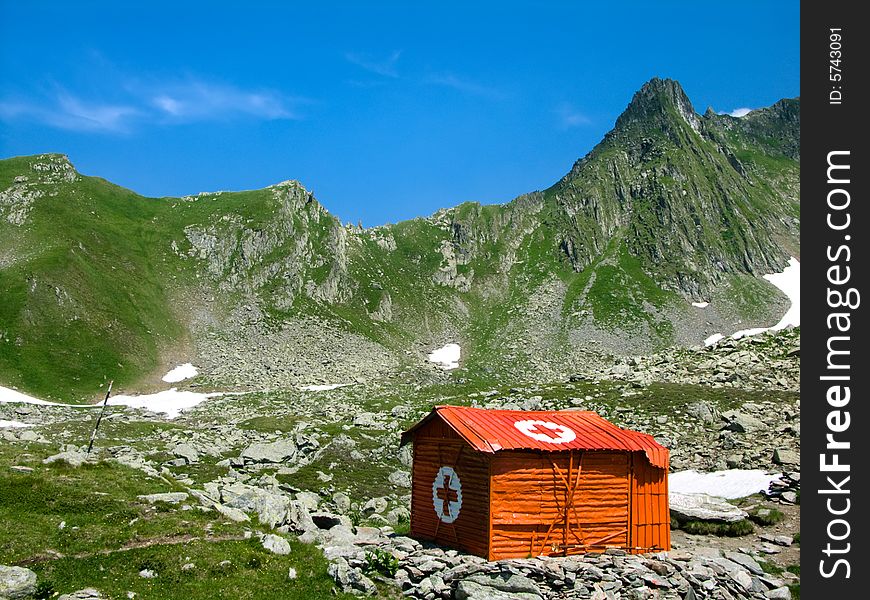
[470, 530]
[651, 519]
[529, 495]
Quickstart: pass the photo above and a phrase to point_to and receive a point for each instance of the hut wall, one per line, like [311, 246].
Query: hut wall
[650, 514]
[436, 446]
[529, 495]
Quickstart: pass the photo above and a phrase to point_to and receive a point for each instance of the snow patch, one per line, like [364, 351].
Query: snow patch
[789, 283]
[180, 373]
[713, 339]
[447, 357]
[701, 304]
[323, 387]
[13, 424]
[9, 396]
[734, 483]
[171, 402]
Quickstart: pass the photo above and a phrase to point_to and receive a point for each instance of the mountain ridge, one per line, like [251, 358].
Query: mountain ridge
[670, 207]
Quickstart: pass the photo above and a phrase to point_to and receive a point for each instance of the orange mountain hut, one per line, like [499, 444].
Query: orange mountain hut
[513, 484]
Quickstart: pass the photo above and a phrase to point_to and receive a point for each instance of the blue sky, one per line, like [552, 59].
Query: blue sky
[385, 111]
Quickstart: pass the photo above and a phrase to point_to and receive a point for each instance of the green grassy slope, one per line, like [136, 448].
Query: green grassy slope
[668, 208]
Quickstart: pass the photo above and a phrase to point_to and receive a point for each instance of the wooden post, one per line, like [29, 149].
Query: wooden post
[100, 417]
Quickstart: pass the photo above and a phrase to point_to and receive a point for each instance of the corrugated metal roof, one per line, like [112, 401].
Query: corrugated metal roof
[493, 430]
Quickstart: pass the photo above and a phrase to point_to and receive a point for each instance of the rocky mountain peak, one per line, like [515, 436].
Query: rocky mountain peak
[658, 99]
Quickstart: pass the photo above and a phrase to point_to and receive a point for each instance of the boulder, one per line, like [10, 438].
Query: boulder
[309, 500]
[351, 579]
[233, 514]
[400, 479]
[703, 507]
[271, 508]
[275, 452]
[187, 452]
[742, 423]
[342, 501]
[784, 456]
[276, 544]
[73, 458]
[16, 582]
[375, 506]
[168, 497]
[746, 561]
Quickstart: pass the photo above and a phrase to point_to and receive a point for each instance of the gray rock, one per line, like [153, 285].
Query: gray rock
[398, 515]
[702, 411]
[351, 579]
[470, 590]
[147, 574]
[85, 594]
[785, 456]
[688, 507]
[276, 544]
[168, 497]
[740, 422]
[187, 452]
[742, 579]
[746, 561]
[789, 496]
[276, 452]
[366, 419]
[780, 593]
[73, 458]
[271, 508]
[342, 501]
[400, 479]
[16, 582]
[297, 518]
[375, 506]
[510, 583]
[233, 514]
[309, 500]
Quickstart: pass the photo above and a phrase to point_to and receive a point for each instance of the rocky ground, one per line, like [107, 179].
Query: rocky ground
[323, 468]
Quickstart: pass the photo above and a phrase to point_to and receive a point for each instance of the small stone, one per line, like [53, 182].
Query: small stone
[276, 544]
[291, 573]
[147, 574]
[789, 497]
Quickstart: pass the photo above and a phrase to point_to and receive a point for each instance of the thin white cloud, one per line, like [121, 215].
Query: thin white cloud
[385, 67]
[190, 100]
[570, 116]
[740, 112]
[463, 85]
[197, 100]
[67, 111]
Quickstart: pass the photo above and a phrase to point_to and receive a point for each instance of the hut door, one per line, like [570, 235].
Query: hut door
[590, 494]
